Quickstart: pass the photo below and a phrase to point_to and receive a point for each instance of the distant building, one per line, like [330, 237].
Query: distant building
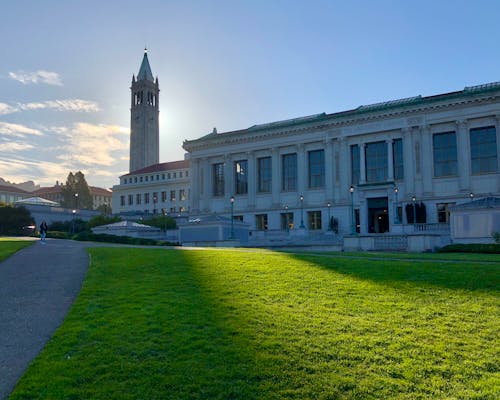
[150, 187]
[100, 196]
[11, 194]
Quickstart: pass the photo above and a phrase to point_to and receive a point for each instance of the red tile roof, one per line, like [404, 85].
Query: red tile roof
[100, 191]
[166, 166]
[12, 189]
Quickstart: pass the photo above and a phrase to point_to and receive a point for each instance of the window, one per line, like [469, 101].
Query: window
[397, 154]
[357, 220]
[286, 221]
[314, 220]
[289, 175]
[172, 195]
[218, 179]
[147, 177]
[264, 173]
[180, 174]
[376, 162]
[122, 200]
[182, 195]
[157, 177]
[172, 209]
[163, 176]
[155, 197]
[445, 154]
[261, 222]
[238, 218]
[483, 150]
[135, 179]
[146, 198]
[241, 176]
[163, 197]
[316, 169]
[443, 212]
[187, 174]
[130, 199]
[175, 175]
[141, 178]
[138, 198]
[355, 164]
[168, 175]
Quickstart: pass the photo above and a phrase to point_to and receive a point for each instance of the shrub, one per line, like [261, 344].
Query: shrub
[88, 236]
[73, 226]
[101, 220]
[471, 248]
[496, 237]
[58, 235]
[13, 220]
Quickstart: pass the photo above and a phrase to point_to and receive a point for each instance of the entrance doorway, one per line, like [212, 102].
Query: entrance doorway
[378, 216]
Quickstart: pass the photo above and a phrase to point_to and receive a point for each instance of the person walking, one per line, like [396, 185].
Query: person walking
[43, 231]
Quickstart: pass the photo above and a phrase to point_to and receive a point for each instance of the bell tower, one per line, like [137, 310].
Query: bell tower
[144, 118]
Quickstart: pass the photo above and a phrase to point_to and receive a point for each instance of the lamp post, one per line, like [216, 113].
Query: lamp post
[164, 212]
[396, 215]
[353, 218]
[155, 199]
[471, 195]
[76, 201]
[301, 198]
[73, 222]
[329, 205]
[414, 200]
[232, 217]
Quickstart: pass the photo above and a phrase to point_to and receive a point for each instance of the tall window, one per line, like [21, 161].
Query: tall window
[241, 176]
[376, 162]
[261, 222]
[163, 197]
[138, 198]
[443, 211]
[182, 194]
[218, 179]
[130, 199]
[483, 150]
[445, 154]
[172, 195]
[146, 198]
[316, 169]
[397, 154]
[355, 164]
[314, 220]
[289, 168]
[122, 200]
[264, 167]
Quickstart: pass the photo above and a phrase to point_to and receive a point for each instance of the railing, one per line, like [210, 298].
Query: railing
[390, 242]
[435, 227]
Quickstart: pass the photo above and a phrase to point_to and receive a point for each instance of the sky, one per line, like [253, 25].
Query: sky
[66, 69]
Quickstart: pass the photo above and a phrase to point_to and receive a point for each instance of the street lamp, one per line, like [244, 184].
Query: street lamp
[164, 212]
[414, 200]
[471, 195]
[353, 218]
[396, 216]
[287, 223]
[301, 198]
[329, 205]
[155, 199]
[73, 222]
[232, 217]
[76, 201]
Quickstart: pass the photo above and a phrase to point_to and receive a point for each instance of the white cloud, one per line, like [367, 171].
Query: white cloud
[62, 105]
[19, 170]
[13, 146]
[7, 109]
[17, 130]
[91, 145]
[40, 76]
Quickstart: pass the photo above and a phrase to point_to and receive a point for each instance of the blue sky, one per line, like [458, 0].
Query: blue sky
[67, 66]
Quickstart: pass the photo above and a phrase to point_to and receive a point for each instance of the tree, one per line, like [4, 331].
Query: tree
[76, 192]
[162, 221]
[14, 219]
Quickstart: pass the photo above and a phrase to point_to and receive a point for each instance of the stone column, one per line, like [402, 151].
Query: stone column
[408, 161]
[463, 156]
[251, 179]
[427, 159]
[207, 184]
[390, 161]
[228, 181]
[276, 178]
[302, 169]
[345, 170]
[329, 163]
[362, 163]
[194, 172]
[497, 128]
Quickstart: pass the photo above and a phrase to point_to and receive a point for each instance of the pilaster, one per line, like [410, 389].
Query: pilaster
[464, 161]
[362, 163]
[329, 163]
[302, 169]
[390, 161]
[408, 161]
[275, 178]
[252, 179]
[427, 159]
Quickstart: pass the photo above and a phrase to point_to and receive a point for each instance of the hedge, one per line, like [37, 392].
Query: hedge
[471, 248]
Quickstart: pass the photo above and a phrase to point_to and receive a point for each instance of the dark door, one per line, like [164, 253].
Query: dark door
[378, 216]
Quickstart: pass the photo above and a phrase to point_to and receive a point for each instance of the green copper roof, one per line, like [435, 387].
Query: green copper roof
[145, 73]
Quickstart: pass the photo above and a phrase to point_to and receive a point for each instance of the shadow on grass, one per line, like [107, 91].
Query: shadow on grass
[445, 274]
[142, 328]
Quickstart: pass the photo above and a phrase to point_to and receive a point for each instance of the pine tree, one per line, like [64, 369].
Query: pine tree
[76, 192]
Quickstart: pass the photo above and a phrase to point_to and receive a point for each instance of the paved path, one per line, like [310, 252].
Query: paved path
[37, 287]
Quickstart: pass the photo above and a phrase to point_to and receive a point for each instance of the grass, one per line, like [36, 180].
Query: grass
[11, 246]
[166, 324]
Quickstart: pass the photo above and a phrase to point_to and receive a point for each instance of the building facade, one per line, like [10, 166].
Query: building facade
[100, 196]
[11, 194]
[392, 167]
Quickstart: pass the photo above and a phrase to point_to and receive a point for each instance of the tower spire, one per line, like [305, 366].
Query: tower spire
[145, 70]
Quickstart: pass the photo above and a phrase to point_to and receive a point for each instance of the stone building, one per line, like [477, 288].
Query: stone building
[392, 168]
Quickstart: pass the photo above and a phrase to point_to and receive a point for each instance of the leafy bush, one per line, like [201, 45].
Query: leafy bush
[88, 236]
[14, 219]
[73, 226]
[471, 248]
[160, 222]
[58, 235]
[496, 237]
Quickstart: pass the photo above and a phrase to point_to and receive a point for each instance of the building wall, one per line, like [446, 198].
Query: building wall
[415, 126]
[158, 182]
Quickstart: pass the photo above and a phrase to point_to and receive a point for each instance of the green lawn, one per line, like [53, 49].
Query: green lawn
[167, 324]
[10, 246]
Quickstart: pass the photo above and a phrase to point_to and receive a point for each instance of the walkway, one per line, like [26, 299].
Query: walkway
[37, 287]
